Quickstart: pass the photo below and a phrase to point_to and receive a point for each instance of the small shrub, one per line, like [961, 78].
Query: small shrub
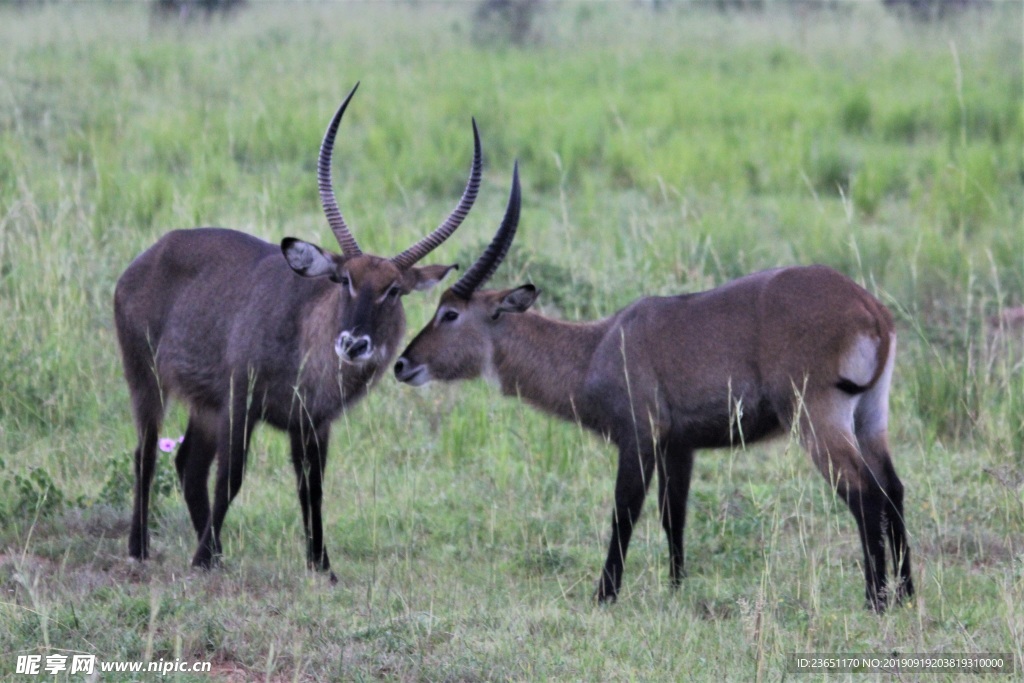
[855, 113]
[930, 10]
[31, 495]
[185, 10]
[906, 124]
[877, 180]
[735, 5]
[505, 21]
[831, 170]
[119, 488]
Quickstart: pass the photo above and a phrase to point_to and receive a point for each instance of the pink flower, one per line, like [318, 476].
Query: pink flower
[168, 445]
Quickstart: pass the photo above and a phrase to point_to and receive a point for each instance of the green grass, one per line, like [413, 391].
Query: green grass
[660, 152]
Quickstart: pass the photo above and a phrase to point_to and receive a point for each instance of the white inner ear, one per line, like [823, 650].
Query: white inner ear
[306, 259]
[426, 283]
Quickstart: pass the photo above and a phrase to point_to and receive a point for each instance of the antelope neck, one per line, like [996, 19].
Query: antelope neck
[545, 361]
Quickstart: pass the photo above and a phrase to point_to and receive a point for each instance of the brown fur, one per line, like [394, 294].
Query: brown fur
[219, 320]
[668, 375]
[244, 332]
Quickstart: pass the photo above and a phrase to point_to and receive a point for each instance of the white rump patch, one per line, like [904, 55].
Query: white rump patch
[859, 362]
[874, 405]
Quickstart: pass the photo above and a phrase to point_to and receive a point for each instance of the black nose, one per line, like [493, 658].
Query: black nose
[400, 366]
[359, 347]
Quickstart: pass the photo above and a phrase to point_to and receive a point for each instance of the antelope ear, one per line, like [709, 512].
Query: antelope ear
[306, 259]
[515, 300]
[422, 278]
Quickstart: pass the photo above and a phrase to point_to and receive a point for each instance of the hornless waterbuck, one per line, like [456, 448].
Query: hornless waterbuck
[668, 375]
[244, 331]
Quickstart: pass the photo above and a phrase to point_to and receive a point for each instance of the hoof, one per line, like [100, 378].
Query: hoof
[877, 606]
[205, 560]
[904, 591]
[138, 550]
[605, 595]
[877, 602]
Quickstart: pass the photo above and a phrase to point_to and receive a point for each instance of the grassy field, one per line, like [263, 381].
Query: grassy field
[661, 152]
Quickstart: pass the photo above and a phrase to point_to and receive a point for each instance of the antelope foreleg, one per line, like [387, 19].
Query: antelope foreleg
[675, 466]
[636, 465]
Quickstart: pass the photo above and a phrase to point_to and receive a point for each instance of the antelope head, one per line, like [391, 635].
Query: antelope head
[370, 287]
[456, 343]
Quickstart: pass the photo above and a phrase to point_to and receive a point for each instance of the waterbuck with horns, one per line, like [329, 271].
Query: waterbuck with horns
[668, 375]
[244, 331]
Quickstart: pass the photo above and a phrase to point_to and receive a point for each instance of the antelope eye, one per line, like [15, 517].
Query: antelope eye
[344, 281]
[449, 316]
[394, 292]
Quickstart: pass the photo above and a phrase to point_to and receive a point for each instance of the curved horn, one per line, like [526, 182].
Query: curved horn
[484, 268]
[417, 251]
[349, 247]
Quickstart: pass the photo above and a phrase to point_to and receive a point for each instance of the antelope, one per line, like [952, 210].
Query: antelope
[801, 347]
[243, 332]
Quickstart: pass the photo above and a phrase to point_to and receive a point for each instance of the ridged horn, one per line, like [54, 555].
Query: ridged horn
[417, 251]
[485, 266]
[349, 246]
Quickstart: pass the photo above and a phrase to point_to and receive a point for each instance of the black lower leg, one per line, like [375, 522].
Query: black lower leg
[308, 459]
[897, 532]
[675, 467]
[635, 470]
[195, 455]
[868, 508]
[145, 467]
[232, 449]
